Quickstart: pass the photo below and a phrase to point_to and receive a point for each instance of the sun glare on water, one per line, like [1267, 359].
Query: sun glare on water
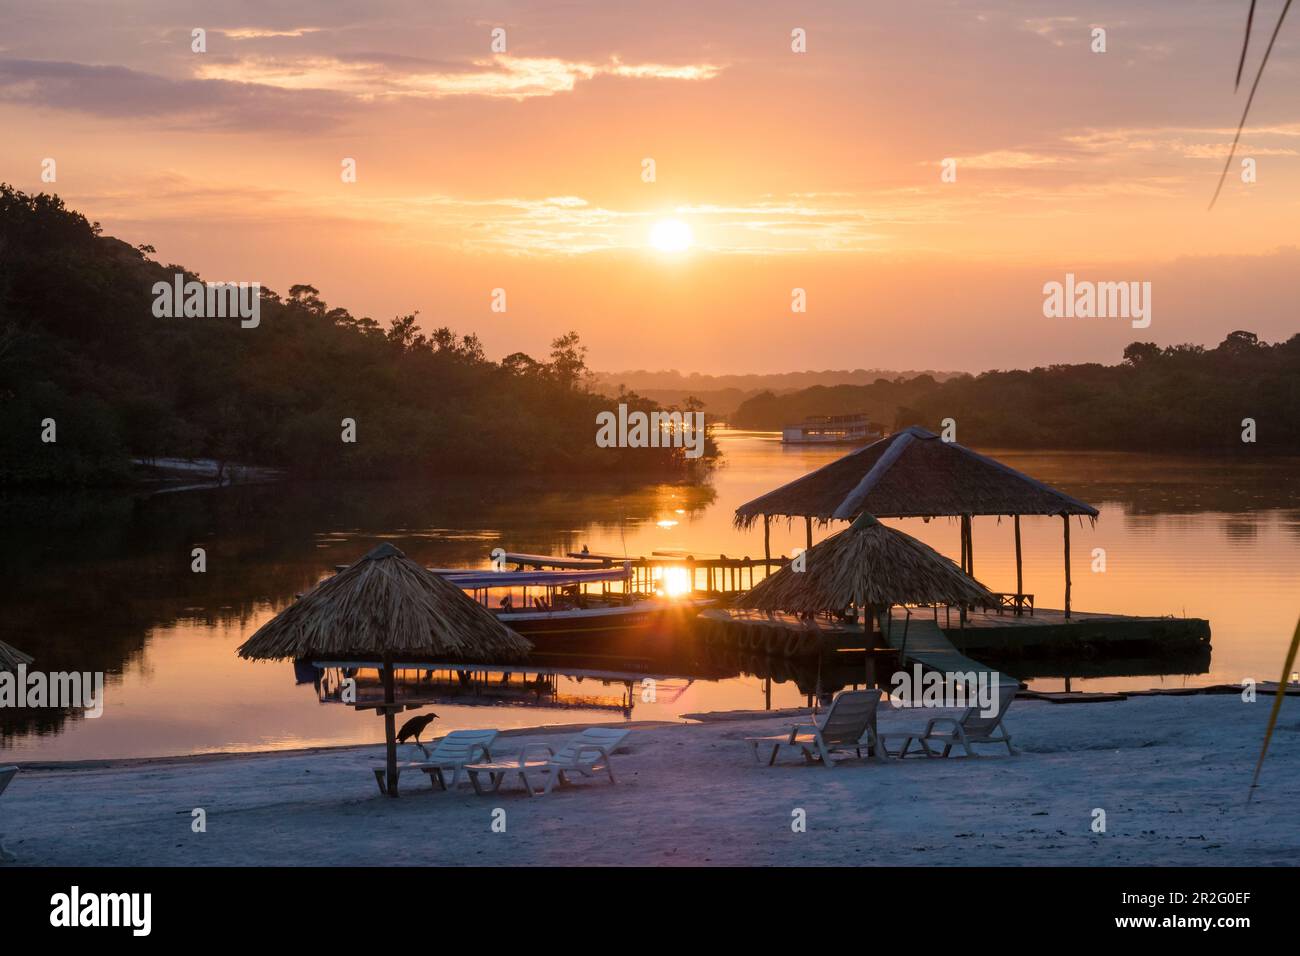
[671, 235]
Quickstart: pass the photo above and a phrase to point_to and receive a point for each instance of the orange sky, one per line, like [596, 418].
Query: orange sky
[522, 170]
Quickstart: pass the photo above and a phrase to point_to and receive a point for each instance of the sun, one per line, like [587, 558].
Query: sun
[671, 235]
[675, 582]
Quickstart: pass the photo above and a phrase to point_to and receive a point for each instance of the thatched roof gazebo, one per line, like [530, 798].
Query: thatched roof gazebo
[386, 610]
[868, 566]
[11, 657]
[914, 473]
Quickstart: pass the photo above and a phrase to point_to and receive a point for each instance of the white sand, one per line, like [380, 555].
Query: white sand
[1171, 773]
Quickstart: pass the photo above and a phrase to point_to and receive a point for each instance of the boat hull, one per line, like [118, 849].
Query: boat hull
[641, 628]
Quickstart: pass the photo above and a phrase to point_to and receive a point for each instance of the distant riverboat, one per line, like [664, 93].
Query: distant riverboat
[832, 430]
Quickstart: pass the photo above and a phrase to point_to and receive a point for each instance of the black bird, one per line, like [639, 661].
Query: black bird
[414, 727]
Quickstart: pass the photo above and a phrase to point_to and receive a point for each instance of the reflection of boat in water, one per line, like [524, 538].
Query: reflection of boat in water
[559, 610]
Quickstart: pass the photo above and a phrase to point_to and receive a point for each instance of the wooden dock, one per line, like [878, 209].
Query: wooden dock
[922, 641]
[715, 574]
[1003, 637]
[1050, 632]
[777, 635]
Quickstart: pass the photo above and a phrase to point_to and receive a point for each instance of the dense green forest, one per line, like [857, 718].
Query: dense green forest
[80, 344]
[1181, 398]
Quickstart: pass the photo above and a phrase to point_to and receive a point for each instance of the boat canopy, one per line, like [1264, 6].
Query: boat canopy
[550, 561]
[515, 579]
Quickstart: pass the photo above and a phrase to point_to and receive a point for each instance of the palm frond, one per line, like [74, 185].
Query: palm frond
[1277, 706]
[1232, 152]
[1245, 45]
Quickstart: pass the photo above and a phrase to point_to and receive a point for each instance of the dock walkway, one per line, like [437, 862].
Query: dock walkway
[920, 640]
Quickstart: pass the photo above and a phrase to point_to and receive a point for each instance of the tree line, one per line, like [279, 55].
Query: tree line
[1185, 399]
[81, 347]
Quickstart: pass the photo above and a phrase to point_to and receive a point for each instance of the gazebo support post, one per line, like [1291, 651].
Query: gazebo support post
[390, 727]
[1066, 519]
[808, 526]
[970, 545]
[1020, 587]
[767, 547]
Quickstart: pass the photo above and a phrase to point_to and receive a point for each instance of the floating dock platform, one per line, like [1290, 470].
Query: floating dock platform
[1001, 636]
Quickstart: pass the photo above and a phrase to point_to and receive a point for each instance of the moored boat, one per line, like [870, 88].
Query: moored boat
[559, 610]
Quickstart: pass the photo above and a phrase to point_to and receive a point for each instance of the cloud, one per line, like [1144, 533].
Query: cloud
[1049, 27]
[261, 33]
[118, 92]
[1007, 159]
[503, 76]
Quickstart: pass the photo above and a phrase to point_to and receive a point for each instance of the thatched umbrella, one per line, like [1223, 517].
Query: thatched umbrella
[868, 566]
[11, 657]
[386, 607]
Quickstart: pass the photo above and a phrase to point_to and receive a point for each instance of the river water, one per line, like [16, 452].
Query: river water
[103, 583]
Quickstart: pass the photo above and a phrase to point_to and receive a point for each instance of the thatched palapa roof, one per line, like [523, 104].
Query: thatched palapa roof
[911, 474]
[11, 657]
[385, 606]
[866, 565]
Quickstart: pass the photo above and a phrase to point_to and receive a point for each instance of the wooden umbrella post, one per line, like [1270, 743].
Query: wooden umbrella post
[1020, 586]
[390, 726]
[808, 525]
[1066, 518]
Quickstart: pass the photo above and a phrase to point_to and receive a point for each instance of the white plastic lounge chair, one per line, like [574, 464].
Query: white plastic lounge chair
[971, 728]
[848, 725]
[6, 774]
[453, 752]
[540, 768]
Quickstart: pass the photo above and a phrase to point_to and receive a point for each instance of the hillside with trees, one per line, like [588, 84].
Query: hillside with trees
[879, 401]
[1179, 399]
[1176, 399]
[80, 345]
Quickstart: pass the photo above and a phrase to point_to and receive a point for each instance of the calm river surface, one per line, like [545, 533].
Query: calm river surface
[96, 582]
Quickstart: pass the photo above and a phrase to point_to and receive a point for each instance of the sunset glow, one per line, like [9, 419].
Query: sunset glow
[519, 434]
[523, 167]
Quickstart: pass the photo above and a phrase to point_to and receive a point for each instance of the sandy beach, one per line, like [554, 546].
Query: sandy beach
[1171, 774]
